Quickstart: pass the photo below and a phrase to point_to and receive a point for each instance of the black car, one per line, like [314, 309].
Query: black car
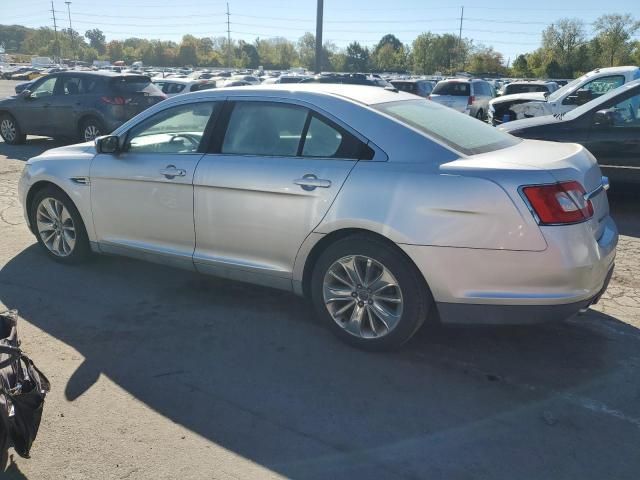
[609, 127]
[421, 88]
[77, 105]
[349, 78]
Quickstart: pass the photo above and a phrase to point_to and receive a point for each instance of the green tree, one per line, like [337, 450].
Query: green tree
[188, 51]
[614, 33]
[520, 67]
[96, 40]
[115, 50]
[356, 58]
[486, 60]
[560, 43]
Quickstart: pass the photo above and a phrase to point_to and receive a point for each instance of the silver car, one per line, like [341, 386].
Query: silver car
[469, 96]
[385, 209]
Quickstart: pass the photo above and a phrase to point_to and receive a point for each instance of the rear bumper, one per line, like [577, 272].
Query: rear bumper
[466, 313]
[507, 286]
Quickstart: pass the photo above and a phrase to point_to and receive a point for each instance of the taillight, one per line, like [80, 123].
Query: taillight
[471, 100]
[559, 203]
[114, 100]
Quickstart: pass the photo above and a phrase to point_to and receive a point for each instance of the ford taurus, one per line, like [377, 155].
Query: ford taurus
[383, 208]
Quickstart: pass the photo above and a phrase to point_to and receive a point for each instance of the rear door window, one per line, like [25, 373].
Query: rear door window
[286, 130]
[457, 89]
[264, 128]
[600, 86]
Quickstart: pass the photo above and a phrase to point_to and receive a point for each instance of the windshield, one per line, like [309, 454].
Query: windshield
[602, 100]
[458, 89]
[461, 132]
[558, 94]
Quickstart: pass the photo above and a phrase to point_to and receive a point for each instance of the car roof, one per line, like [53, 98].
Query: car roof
[409, 80]
[364, 94]
[176, 80]
[627, 68]
[100, 73]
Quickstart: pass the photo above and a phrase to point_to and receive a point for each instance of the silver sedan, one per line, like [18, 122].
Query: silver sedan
[385, 209]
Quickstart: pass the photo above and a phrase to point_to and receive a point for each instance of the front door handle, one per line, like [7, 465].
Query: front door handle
[171, 172]
[311, 182]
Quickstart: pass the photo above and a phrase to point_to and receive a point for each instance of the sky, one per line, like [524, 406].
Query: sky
[510, 26]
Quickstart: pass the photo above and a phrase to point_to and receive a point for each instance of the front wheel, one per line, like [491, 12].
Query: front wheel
[58, 226]
[369, 293]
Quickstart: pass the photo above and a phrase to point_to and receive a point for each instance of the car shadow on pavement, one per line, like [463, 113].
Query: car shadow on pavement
[625, 212]
[250, 369]
[33, 147]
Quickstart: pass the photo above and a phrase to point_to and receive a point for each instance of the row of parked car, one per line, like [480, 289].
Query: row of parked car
[85, 104]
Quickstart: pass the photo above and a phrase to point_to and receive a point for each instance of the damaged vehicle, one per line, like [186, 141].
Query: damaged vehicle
[578, 92]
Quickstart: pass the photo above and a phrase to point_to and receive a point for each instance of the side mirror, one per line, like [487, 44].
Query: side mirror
[603, 118]
[108, 144]
[26, 93]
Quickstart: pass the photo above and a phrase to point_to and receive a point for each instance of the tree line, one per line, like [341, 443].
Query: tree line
[565, 51]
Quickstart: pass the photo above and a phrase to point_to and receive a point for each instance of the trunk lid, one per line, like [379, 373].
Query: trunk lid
[560, 161]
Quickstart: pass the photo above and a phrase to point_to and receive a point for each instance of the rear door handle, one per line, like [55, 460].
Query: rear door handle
[171, 172]
[311, 182]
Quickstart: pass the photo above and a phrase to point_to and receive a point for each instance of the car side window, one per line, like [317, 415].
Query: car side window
[264, 128]
[329, 141]
[178, 129]
[45, 89]
[600, 86]
[71, 86]
[626, 114]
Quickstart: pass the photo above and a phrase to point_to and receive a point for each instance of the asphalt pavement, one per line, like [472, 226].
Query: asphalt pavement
[159, 373]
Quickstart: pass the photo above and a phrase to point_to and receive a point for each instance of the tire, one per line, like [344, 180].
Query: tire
[90, 128]
[403, 318]
[69, 226]
[480, 115]
[10, 130]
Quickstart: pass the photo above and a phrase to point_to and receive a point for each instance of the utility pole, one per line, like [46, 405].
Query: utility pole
[318, 68]
[73, 47]
[460, 36]
[55, 29]
[228, 36]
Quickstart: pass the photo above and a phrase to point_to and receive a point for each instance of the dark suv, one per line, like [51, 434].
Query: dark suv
[77, 105]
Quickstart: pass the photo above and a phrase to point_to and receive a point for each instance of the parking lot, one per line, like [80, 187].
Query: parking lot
[160, 373]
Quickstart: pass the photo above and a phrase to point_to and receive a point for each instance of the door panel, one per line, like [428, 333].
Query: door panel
[142, 199]
[34, 113]
[136, 207]
[251, 215]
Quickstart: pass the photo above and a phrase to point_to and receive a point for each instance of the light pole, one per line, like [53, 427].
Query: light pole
[73, 47]
[319, 36]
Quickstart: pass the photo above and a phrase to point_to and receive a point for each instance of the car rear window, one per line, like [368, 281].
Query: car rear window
[134, 84]
[457, 89]
[461, 132]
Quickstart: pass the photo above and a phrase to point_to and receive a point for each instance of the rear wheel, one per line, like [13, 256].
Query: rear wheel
[480, 115]
[10, 130]
[90, 128]
[370, 294]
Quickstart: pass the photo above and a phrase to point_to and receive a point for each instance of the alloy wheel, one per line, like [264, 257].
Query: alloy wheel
[8, 129]
[91, 132]
[362, 296]
[55, 227]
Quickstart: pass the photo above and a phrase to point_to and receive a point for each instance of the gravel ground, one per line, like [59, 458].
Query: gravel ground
[163, 374]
